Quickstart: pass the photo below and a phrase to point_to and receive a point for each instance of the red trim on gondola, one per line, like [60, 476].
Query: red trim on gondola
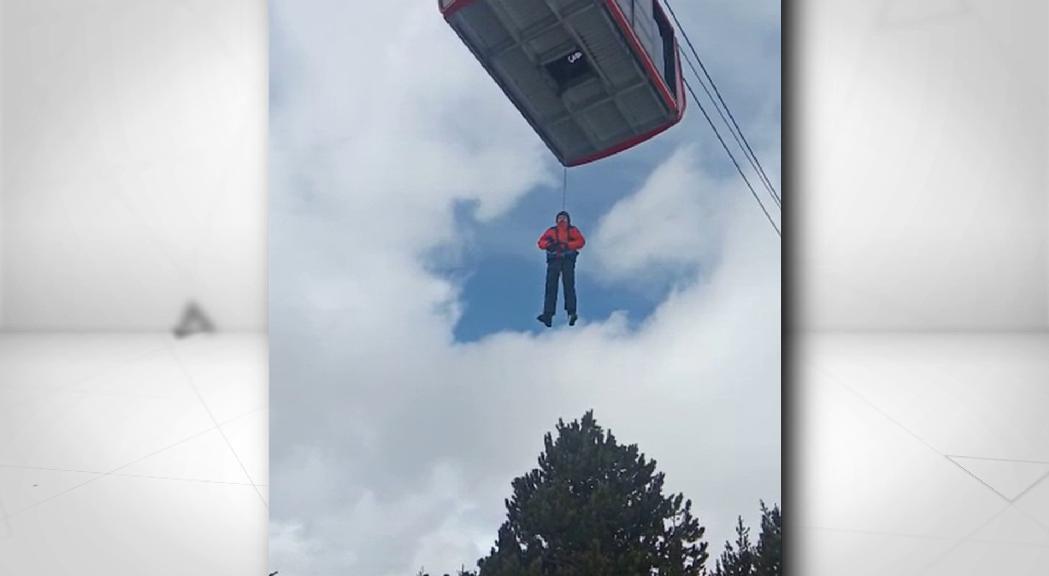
[681, 100]
[624, 145]
[630, 143]
[454, 7]
[646, 60]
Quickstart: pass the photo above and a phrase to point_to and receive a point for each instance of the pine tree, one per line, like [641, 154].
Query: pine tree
[594, 506]
[770, 542]
[737, 560]
[746, 559]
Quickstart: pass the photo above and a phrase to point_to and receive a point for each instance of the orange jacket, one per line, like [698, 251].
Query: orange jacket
[568, 235]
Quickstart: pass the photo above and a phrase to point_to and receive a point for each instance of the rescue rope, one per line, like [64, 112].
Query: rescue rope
[564, 188]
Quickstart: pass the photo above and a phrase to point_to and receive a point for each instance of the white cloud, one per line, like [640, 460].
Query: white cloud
[392, 445]
[674, 221]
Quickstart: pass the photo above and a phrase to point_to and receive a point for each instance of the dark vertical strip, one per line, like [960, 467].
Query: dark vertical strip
[789, 336]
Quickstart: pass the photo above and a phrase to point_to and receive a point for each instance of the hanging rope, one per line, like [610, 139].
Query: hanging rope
[564, 188]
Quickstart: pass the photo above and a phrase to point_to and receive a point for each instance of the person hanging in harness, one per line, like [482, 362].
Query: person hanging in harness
[562, 243]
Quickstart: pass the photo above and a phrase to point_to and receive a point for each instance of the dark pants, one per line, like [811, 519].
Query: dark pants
[565, 268]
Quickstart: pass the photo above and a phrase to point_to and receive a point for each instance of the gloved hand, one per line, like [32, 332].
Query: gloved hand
[553, 246]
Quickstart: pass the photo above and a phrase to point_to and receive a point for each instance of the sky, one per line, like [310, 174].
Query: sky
[410, 381]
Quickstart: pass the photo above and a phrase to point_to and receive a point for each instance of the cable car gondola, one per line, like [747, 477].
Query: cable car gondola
[592, 77]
